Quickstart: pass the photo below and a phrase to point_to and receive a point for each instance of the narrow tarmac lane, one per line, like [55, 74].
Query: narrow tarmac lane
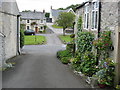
[39, 68]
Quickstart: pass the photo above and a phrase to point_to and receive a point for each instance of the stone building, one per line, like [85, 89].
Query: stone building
[33, 20]
[54, 13]
[102, 15]
[9, 31]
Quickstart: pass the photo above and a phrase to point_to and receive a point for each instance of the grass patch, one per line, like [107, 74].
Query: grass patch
[65, 39]
[35, 40]
[55, 26]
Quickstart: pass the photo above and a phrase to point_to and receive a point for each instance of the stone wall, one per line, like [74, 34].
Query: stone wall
[8, 38]
[110, 20]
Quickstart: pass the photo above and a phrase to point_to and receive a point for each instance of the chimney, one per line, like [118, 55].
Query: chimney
[43, 11]
[51, 7]
[34, 11]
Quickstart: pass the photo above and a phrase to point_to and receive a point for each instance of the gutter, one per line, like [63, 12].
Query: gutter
[18, 34]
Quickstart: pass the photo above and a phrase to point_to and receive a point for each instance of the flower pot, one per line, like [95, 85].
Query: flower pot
[101, 85]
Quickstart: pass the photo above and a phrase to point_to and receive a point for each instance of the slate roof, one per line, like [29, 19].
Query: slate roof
[55, 12]
[32, 15]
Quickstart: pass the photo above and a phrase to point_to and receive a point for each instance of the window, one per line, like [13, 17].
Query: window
[41, 21]
[94, 16]
[28, 21]
[28, 27]
[86, 17]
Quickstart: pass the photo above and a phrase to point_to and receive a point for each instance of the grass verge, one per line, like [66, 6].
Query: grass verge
[35, 40]
[55, 26]
[65, 39]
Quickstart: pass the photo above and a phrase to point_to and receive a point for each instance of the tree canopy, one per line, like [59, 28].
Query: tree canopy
[71, 6]
[65, 19]
[47, 15]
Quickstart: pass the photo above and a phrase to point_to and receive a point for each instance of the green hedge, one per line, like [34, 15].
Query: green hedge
[64, 56]
[21, 38]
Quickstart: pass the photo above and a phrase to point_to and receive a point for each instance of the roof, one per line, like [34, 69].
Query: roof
[32, 15]
[55, 12]
[81, 5]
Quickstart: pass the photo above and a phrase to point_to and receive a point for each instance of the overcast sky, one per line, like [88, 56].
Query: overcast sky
[39, 5]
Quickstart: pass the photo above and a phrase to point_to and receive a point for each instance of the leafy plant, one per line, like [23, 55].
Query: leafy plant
[103, 42]
[88, 64]
[79, 24]
[64, 53]
[65, 60]
[75, 64]
[44, 27]
[84, 41]
[21, 38]
[106, 73]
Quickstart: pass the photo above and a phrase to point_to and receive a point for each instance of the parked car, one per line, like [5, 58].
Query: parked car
[29, 32]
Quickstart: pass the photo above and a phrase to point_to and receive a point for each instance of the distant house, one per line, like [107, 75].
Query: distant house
[55, 13]
[33, 20]
[102, 15]
[9, 31]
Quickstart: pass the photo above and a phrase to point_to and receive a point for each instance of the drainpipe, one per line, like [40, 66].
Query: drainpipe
[99, 19]
[18, 34]
[99, 25]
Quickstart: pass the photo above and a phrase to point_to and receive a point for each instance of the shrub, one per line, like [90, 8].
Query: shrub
[45, 27]
[72, 36]
[21, 38]
[70, 47]
[75, 64]
[65, 60]
[88, 64]
[103, 42]
[64, 53]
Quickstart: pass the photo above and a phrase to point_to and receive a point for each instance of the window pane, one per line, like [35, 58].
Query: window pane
[96, 20]
[27, 27]
[87, 19]
[27, 21]
[93, 20]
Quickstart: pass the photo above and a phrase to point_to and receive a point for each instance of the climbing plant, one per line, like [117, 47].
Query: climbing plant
[84, 41]
[79, 24]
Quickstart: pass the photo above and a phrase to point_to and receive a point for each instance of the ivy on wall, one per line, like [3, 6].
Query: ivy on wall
[79, 24]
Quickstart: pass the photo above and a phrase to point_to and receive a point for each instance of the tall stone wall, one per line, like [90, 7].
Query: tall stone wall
[8, 29]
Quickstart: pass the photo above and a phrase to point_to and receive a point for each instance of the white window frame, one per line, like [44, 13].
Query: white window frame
[27, 27]
[28, 21]
[86, 16]
[95, 9]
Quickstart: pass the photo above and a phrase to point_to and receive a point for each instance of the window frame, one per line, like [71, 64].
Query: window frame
[86, 16]
[28, 21]
[95, 9]
[28, 27]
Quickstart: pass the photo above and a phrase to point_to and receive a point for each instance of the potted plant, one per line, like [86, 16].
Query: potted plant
[106, 73]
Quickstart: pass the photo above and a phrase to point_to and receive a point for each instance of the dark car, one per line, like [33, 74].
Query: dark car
[29, 32]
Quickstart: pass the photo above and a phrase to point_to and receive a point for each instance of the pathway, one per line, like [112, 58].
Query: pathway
[39, 68]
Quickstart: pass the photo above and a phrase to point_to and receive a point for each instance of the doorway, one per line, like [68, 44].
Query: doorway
[36, 29]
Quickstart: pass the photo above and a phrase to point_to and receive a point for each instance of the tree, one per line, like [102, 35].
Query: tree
[73, 7]
[61, 9]
[47, 15]
[65, 19]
